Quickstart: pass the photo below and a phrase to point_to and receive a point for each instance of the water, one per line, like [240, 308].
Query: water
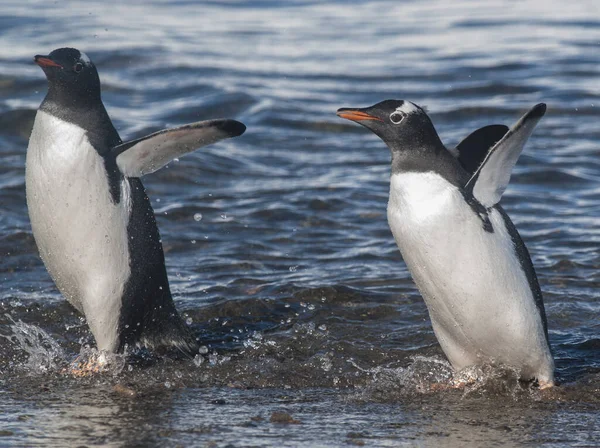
[277, 246]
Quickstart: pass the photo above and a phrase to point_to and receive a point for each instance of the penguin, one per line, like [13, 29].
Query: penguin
[463, 252]
[92, 221]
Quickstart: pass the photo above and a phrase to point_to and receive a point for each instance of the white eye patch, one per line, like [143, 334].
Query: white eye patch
[408, 108]
[84, 58]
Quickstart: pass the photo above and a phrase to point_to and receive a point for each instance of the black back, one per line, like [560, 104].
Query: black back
[147, 299]
[527, 266]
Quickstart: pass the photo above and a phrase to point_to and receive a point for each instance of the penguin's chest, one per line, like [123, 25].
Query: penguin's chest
[80, 231]
[477, 295]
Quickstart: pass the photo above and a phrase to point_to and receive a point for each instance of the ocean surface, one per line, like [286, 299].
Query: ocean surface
[277, 245]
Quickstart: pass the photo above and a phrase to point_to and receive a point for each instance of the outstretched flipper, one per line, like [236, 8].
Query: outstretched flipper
[473, 149]
[147, 154]
[491, 178]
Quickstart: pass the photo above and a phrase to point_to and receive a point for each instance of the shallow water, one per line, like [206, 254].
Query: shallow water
[277, 244]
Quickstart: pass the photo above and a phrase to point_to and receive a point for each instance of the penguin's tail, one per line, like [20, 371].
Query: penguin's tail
[164, 333]
[174, 339]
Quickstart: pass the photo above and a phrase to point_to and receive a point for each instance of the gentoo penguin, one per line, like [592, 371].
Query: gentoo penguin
[92, 221]
[463, 252]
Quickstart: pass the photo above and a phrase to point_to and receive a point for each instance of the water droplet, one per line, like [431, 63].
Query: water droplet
[203, 350]
[197, 216]
[189, 321]
[256, 335]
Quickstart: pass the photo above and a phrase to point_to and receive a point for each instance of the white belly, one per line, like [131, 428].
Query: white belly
[80, 233]
[478, 297]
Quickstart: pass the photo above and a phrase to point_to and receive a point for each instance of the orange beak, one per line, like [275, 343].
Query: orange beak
[44, 61]
[355, 115]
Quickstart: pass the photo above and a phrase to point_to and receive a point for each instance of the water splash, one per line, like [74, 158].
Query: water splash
[490, 379]
[417, 378]
[92, 361]
[44, 353]
[428, 375]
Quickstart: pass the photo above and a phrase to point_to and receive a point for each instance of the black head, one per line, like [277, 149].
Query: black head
[402, 125]
[410, 135]
[72, 77]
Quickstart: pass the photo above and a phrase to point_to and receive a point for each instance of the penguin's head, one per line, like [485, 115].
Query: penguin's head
[72, 77]
[402, 125]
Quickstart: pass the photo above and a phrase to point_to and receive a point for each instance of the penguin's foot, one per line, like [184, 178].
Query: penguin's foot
[451, 385]
[438, 387]
[465, 377]
[545, 384]
[458, 380]
[88, 365]
[461, 384]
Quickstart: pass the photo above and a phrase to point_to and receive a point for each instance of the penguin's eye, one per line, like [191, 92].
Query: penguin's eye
[78, 67]
[396, 117]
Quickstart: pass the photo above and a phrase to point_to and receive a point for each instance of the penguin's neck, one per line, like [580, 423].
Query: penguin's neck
[433, 157]
[91, 116]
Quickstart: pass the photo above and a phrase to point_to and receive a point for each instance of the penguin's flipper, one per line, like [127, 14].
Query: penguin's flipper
[473, 149]
[491, 178]
[150, 153]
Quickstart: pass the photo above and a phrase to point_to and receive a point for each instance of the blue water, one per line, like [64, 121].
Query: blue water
[291, 276]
